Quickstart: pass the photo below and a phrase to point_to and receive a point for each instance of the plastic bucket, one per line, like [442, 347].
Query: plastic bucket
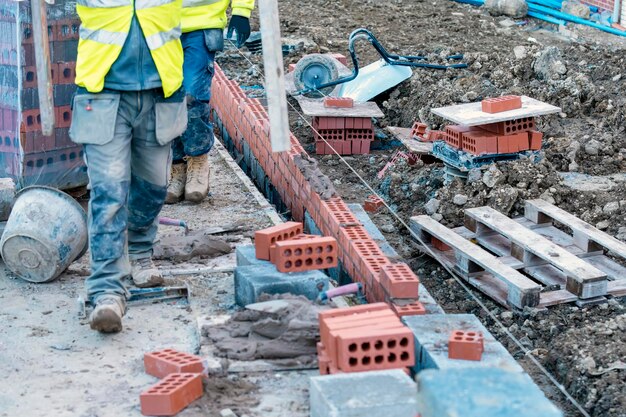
[45, 233]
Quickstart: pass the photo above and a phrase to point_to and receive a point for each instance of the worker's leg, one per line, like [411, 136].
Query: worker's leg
[150, 161]
[198, 139]
[102, 123]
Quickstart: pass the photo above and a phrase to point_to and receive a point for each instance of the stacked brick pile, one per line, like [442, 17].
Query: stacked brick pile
[363, 338]
[346, 135]
[290, 250]
[26, 154]
[180, 382]
[511, 136]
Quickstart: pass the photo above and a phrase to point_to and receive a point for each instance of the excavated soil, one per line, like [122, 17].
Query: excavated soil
[579, 69]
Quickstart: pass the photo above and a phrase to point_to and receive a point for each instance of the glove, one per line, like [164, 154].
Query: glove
[242, 26]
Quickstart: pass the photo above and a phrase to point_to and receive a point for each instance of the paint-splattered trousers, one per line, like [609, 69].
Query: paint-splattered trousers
[199, 48]
[127, 139]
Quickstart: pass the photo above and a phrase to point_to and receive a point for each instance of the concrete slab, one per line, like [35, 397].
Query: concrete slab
[253, 280]
[431, 333]
[358, 394]
[483, 392]
[315, 107]
[246, 255]
[471, 114]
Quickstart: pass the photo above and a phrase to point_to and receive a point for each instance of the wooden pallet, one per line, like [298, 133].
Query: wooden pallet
[558, 267]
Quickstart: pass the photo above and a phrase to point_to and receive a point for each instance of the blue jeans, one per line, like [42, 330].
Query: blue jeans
[126, 136]
[199, 47]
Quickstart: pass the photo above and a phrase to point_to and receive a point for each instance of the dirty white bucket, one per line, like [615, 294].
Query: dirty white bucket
[45, 233]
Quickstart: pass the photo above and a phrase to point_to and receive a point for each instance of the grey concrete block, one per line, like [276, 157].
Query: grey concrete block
[432, 331]
[7, 196]
[246, 255]
[253, 280]
[359, 394]
[481, 392]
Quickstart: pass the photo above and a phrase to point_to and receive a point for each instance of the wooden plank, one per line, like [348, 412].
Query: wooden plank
[585, 235]
[42, 60]
[471, 114]
[416, 146]
[617, 288]
[274, 75]
[584, 280]
[315, 107]
[551, 298]
[471, 258]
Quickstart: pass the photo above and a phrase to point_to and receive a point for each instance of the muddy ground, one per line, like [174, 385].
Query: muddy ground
[582, 167]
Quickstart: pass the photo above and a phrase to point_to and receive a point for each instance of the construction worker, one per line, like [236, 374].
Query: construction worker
[128, 107]
[203, 24]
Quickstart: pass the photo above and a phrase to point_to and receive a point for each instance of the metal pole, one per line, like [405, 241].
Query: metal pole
[42, 60]
[274, 75]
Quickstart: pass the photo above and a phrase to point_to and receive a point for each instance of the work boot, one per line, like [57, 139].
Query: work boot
[197, 186]
[106, 317]
[176, 187]
[145, 273]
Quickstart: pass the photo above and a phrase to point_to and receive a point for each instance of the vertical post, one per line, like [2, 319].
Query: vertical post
[274, 75]
[42, 60]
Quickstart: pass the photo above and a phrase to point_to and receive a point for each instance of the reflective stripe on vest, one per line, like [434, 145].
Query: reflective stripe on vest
[104, 28]
[196, 3]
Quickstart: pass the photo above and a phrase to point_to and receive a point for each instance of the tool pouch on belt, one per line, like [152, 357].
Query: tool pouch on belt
[171, 117]
[93, 118]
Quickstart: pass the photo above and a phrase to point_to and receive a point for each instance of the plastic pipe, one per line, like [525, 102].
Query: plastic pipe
[550, 12]
[547, 18]
[555, 4]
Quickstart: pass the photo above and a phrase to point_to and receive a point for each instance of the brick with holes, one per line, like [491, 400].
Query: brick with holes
[501, 104]
[306, 255]
[418, 129]
[169, 361]
[535, 139]
[264, 239]
[363, 248]
[373, 203]
[344, 102]
[523, 124]
[413, 309]
[171, 394]
[466, 345]
[366, 349]
[399, 281]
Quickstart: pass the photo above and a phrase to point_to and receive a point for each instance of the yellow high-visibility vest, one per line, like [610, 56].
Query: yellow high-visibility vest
[105, 25]
[211, 14]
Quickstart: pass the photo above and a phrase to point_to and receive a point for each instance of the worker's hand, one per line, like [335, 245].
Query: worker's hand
[242, 26]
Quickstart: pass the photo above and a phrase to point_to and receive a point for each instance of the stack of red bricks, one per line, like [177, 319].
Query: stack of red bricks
[27, 153]
[180, 384]
[346, 135]
[511, 136]
[363, 338]
[292, 251]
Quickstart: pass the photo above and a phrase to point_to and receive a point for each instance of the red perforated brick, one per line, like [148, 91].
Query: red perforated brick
[480, 142]
[535, 138]
[524, 124]
[360, 147]
[264, 239]
[418, 129]
[501, 104]
[365, 248]
[343, 102]
[399, 281]
[171, 395]
[169, 361]
[323, 122]
[454, 135]
[351, 311]
[373, 203]
[434, 135]
[338, 219]
[366, 349]
[467, 345]
[305, 255]
[513, 143]
[67, 72]
[413, 309]
[31, 120]
[359, 134]
[63, 116]
[358, 123]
